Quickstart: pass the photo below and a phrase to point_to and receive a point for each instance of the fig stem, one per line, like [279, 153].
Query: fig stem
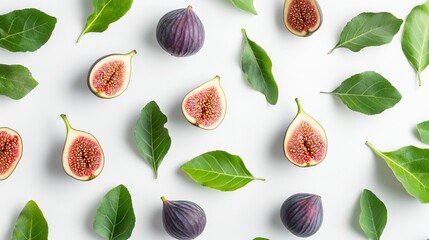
[164, 199]
[132, 53]
[189, 7]
[66, 121]
[298, 103]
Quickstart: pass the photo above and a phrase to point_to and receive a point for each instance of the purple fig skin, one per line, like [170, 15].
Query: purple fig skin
[183, 219]
[302, 214]
[180, 32]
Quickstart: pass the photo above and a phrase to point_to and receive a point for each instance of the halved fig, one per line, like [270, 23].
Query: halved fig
[205, 106]
[10, 151]
[305, 142]
[110, 76]
[302, 17]
[83, 158]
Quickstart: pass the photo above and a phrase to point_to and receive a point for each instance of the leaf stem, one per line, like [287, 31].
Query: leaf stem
[80, 37]
[420, 79]
[332, 50]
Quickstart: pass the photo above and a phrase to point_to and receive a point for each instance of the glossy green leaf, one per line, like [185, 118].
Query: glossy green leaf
[25, 30]
[415, 44]
[16, 81]
[411, 167]
[261, 238]
[115, 219]
[256, 66]
[423, 129]
[105, 12]
[245, 5]
[219, 170]
[152, 138]
[373, 215]
[31, 224]
[369, 29]
[368, 93]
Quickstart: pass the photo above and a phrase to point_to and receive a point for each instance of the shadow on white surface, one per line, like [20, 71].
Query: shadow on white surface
[277, 153]
[90, 215]
[149, 37]
[80, 84]
[9, 232]
[389, 182]
[156, 222]
[54, 159]
[175, 114]
[354, 219]
[129, 134]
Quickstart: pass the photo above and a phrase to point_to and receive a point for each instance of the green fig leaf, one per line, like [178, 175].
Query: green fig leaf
[115, 219]
[410, 165]
[261, 238]
[256, 66]
[369, 29]
[25, 30]
[31, 224]
[105, 13]
[373, 215]
[16, 81]
[151, 137]
[219, 170]
[368, 93]
[245, 5]
[415, 44]
[423, 129]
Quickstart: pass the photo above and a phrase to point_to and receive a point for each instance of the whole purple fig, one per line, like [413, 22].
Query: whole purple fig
[183, 219]
[302, 214]
[180, 32]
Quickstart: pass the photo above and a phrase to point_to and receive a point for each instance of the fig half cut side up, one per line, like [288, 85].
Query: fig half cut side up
[10, 151]
[302, 17]
[305, 142]
[205, 106]
[110, 75]
[83, 157]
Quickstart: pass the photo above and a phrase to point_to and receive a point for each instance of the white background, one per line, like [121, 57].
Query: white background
[252, 128]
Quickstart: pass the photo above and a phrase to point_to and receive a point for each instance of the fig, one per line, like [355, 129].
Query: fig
[183, 219]
[110, 75]
[83, 158]
[205, 106]
[302, 214]
[302, 17]
[180, 32]
[305, 142]
[10, 151]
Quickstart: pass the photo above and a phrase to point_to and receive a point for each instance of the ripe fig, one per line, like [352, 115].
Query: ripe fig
[205, 106]
[305, 142]
[83, 158]
[180, 32]
[110, 75]
[302, 17]
[302, 214]
[183, 219]
[10, 151]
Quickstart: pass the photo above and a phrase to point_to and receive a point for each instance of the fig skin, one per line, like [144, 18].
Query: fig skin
[11, 133]
[183, 219]
[180, 32]
[305, 32]
[302, 214]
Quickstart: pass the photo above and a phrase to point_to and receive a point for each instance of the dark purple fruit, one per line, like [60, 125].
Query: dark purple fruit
[302, 17]
[83, 158]
[180, 32]
[10, 151]
[110, 75]
[302, 214]
[183, 219]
